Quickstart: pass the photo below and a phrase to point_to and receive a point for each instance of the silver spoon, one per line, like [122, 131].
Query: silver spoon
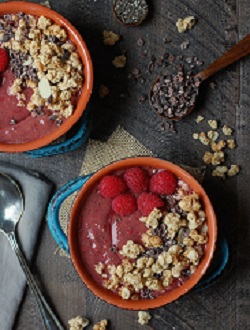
[11, 209]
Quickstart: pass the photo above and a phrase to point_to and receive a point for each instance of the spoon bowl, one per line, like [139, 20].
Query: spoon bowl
[11, 210]
[238, 51]
[11, 204]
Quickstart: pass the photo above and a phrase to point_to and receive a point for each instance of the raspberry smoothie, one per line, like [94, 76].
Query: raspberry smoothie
[142, 232]
[40, 77]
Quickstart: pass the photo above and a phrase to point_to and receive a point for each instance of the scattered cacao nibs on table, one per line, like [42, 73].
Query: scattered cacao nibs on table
[142, 98]
[173, 96]
[130, 12]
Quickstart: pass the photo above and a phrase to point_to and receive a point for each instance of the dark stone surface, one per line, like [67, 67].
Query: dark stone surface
[220, 24]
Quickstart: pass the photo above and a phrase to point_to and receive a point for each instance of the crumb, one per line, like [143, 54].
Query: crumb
[102, 325]
[103, 91]
[213, 124]
[120, 61]
[185, 24]
[110, 38]
[143, 317]
[227, 130]
[234, 169]
[199, 119]
[195, 136]
[78, 323]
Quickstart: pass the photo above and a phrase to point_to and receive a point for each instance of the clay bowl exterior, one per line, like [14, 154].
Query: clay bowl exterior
[109, 296]
[75, 37]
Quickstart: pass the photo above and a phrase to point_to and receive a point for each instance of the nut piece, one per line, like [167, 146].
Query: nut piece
[213, 124]
[103, 91]
[119, 61]
[102, 325]
[227, 130]
[143, 317]
[78, 323]
[185, 24]
[110, 38]
[44, 88]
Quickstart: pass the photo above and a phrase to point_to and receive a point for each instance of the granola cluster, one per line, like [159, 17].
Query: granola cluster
[216, 157]
[78, 323]
[43, 59]
[185, 24]
[170, 252]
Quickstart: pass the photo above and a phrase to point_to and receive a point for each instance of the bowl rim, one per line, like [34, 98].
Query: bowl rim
[103, 293]
[39, 10]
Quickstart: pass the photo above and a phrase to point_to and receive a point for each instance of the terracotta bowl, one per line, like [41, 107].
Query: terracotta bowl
[75, 37]
[110, 297]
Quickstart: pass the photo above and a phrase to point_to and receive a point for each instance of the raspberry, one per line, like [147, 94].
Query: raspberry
[4, 59]
[124, 204]
[163, 183]
[112, 186]
[147, 202]
[137, 179]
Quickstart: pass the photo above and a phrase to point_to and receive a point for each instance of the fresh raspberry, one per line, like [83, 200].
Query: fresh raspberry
[163, 183]
[112, 186]
[137, 179]
[147, 202]
[4, 59]
[124, 204]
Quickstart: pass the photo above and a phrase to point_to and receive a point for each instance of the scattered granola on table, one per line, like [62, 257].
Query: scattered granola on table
[216, 156]
[78, 323]
[143, 317]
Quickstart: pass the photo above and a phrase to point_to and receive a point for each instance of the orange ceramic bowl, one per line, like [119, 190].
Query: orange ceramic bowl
[73, 240]
[75, 37]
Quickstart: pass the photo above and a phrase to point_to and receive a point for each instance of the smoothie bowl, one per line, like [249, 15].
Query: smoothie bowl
[142, 232]
[46, 76]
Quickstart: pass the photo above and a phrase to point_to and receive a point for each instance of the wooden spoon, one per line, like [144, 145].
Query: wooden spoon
[238, 51]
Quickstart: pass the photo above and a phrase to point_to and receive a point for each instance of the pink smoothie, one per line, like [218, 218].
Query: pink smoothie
[26, 127]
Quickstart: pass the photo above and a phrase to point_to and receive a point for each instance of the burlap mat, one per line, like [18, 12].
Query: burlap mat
[98, 154]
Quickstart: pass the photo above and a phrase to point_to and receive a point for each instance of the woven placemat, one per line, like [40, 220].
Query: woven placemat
[120, 145]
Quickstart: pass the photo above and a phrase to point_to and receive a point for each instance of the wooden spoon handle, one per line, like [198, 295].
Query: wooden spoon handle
[238, 51]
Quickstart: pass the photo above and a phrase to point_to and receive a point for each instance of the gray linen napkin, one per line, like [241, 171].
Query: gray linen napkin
[36, 190]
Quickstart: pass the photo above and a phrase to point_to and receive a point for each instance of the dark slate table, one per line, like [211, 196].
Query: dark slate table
[220, 25]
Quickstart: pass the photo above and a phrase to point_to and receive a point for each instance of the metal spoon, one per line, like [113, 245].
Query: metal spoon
[11, 209]
[238, 51]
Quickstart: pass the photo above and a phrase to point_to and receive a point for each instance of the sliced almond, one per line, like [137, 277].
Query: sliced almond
[44, 88]
[28, 61]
